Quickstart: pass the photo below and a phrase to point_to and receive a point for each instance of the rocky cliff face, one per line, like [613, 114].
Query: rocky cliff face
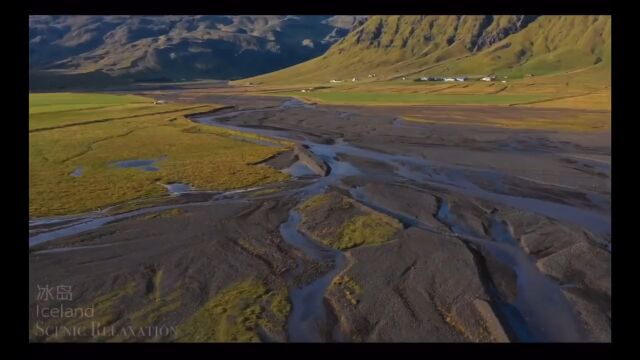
[498, 28]
[426, 34]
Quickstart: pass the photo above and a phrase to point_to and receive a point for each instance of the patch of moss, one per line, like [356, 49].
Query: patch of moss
[349, 287]
[343, 223]
[368, 229]
[235, 314]
[280, 305]
[315, 201]
[331, 199]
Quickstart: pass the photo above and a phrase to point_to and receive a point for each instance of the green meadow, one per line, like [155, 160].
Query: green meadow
[90, 132]
[396, 98]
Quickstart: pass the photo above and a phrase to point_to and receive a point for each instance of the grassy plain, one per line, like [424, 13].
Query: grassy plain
[64, 136]
[399, 98]
[586, 89]
[581, 92]
[585, 122]
[235, 314]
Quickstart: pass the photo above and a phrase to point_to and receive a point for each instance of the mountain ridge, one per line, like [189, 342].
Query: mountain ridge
[178, 47]
[478, 45]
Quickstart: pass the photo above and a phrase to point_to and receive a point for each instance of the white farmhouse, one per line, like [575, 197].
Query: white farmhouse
[449, 79]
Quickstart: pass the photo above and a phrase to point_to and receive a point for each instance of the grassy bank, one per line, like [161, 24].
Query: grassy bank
[399, 98]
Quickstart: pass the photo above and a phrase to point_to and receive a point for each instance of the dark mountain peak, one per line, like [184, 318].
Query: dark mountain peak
[180, 46]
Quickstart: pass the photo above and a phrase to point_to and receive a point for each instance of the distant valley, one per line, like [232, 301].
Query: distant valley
[108, 49]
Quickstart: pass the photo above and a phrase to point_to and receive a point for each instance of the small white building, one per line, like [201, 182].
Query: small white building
[461, 78]
[303, 90]
[159, 102]
[354, 79]
[488, 78]
[333, 81]
[449, 79]
[504, 81]
[404, 78]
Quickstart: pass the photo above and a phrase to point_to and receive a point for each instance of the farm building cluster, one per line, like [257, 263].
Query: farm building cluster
[354, 79]
[453, 78]
[488, 78]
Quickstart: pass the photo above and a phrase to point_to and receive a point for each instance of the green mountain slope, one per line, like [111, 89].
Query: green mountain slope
[396, 46]
[548, 45]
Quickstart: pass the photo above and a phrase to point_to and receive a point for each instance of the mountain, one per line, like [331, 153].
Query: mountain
[177, 47]
[396, 46]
